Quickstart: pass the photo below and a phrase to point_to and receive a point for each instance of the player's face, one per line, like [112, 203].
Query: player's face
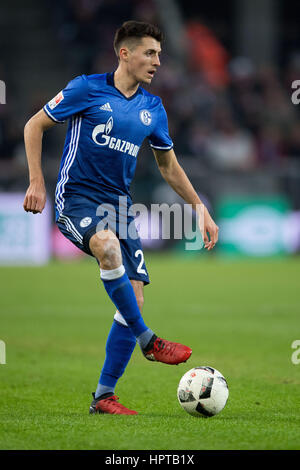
[143, 60]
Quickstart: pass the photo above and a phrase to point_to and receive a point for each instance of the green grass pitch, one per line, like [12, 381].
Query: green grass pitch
[240, 317]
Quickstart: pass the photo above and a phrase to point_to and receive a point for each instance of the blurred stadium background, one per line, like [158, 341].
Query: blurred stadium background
[226, 82]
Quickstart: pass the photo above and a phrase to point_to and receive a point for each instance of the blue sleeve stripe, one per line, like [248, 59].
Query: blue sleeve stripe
[50, 115]
[64, 173]
[161, 148]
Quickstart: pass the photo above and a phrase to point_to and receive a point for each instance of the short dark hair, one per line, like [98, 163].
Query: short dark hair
[135, 30]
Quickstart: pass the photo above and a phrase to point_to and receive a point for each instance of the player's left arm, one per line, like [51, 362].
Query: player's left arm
[176, 177]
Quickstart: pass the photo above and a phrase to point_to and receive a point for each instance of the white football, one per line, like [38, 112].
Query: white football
[203, 391]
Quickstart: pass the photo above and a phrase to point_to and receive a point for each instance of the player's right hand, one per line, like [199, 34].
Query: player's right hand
[35, 198]
[208, 227]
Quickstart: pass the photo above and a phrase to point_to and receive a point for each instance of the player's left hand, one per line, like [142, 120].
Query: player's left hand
[209, 229]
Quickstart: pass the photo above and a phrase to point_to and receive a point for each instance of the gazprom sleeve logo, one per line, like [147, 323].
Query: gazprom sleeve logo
[145, 117]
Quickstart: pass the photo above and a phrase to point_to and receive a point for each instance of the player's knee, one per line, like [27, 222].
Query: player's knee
[106, 247]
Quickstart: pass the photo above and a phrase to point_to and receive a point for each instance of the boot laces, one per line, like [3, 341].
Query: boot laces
[115, 399]
[166, 347]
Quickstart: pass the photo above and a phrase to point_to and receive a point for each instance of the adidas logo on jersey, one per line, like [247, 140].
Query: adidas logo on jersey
[106, 107]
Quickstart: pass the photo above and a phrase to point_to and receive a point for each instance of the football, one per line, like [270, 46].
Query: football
[203, 392]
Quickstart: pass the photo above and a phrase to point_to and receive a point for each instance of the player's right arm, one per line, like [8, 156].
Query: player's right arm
[35, 198]
[73, 99]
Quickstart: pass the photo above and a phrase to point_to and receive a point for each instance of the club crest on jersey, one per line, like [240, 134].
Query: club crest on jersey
[56, 100]
[85, 222]
[113, 143]
[145, 117]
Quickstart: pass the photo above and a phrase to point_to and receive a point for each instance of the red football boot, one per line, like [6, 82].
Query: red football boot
[161, 350]
[109, 405]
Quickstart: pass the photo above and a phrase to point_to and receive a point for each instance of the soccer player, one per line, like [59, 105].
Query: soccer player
[109, 117]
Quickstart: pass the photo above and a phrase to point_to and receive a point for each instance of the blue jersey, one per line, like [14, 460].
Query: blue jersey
[105, 133]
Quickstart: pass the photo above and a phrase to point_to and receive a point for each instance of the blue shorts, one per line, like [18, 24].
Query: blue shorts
[81, 219]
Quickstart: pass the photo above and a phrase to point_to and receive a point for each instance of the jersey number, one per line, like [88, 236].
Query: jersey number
[140, 270]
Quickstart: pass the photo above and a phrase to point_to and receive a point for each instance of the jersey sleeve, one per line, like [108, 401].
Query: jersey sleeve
[160, 139]
[71, 100]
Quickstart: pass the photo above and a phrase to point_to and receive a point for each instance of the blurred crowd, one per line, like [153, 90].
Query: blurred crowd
[223, 110]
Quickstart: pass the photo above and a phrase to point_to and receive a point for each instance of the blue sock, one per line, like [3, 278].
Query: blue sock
[119, 348]
[120, 290]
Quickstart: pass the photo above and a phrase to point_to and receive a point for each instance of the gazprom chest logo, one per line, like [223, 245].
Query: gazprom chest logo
[101, 136]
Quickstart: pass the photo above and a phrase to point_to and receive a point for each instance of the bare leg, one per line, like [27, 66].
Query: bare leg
[106, 248]
[138, 287]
